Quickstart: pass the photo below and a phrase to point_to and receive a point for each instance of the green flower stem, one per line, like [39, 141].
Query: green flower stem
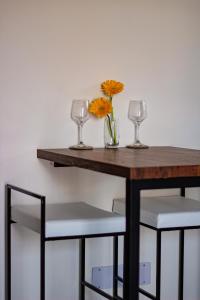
[110, 127]
[112, 134]
[115, 136]
[112, 113]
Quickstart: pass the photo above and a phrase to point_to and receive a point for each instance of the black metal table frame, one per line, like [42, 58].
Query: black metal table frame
[159, 231]
[132, 234]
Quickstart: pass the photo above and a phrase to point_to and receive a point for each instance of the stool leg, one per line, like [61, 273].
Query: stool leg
[181, 264]
[42, 270]
[8, 244]
[158, 264]
[82, 269]
[115, 266]
[42, 251]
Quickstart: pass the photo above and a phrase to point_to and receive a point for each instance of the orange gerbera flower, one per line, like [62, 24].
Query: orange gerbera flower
[100, 107]
[112, 87]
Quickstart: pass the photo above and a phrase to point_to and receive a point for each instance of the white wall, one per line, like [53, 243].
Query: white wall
[54, 51]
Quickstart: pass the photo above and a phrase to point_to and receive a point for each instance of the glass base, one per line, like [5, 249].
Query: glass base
[107, 146]
[137, 146]
[81, 147]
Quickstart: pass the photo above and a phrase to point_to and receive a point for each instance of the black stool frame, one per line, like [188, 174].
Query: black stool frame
[43, 239]
[158, 257]
[138, 186]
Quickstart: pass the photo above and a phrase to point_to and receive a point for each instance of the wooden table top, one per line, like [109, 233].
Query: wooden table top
[154, 162]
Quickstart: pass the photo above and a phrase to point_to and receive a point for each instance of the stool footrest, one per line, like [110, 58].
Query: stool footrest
[150, 296]
[147, 294]
[100, 292]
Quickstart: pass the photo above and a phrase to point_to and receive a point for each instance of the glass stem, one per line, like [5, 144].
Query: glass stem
[80, 135]
[137, 126]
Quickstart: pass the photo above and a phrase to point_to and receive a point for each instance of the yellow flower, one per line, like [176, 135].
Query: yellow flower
[112, 87]
[100, 107]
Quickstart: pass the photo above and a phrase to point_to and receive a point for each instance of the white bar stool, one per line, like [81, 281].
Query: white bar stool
[58, 222]
[166, 213]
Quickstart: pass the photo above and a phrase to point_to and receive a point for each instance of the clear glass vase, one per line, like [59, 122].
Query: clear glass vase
[111, 132]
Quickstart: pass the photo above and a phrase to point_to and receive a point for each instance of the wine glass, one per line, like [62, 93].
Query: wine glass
[137, 113]
[80, 114]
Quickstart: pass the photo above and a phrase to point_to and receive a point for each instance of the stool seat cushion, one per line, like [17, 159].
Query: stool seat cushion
[69, 219]
[165, 211]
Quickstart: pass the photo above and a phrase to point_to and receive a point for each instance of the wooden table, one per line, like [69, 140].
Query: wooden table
[153, 168]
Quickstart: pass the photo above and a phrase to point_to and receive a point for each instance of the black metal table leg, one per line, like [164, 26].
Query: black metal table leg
[131, 242]
[8, 244]
[182, 192]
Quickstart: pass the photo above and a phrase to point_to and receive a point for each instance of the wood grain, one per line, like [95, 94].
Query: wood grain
[154, 162]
